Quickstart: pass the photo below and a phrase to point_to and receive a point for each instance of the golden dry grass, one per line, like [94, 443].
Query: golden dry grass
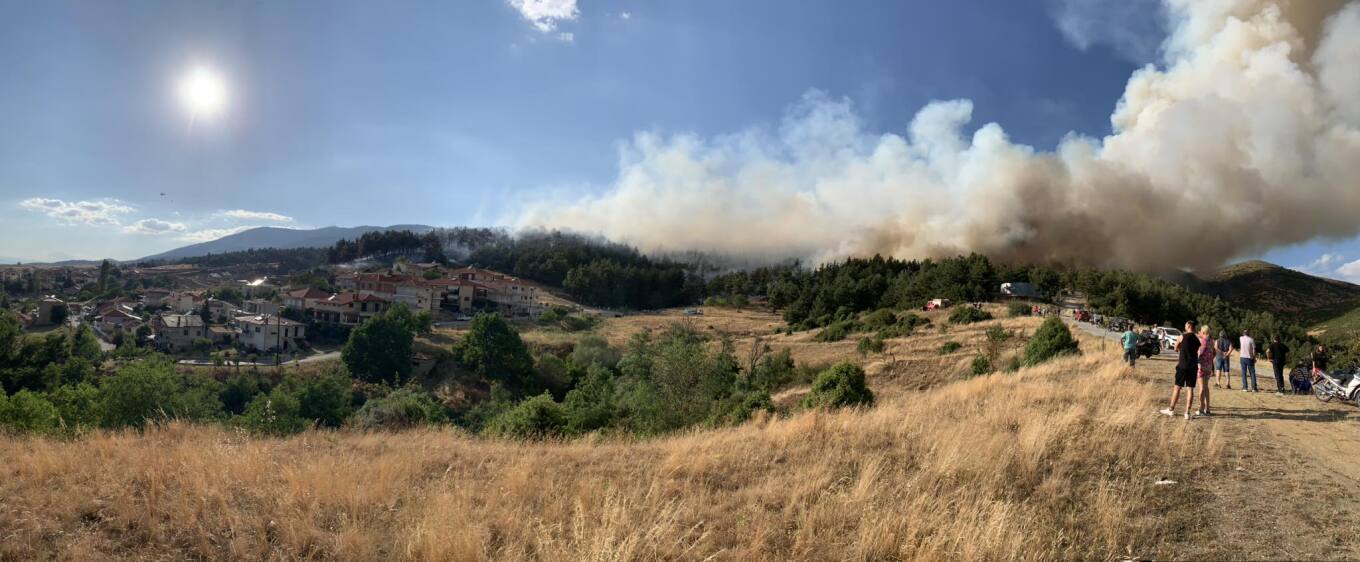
[1028, 466]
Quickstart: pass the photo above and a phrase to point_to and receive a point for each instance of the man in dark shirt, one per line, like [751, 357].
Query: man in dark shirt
[1279, 353]
[1187, 369]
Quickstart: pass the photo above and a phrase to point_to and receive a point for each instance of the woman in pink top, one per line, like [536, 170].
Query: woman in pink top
[1207, 354]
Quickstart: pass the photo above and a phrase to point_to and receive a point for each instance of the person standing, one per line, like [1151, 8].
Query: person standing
[1224, 347]
[1279, 353]
[1130, 345]
[1207, 353]
[1320, 360]
[1246, 354]
[1187, 370]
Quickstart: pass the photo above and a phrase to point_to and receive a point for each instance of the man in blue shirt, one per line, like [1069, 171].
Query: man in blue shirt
[1130, 345]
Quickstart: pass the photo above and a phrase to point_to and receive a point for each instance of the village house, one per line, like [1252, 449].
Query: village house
[220, 310]
[256, 288]
[303, 299]
[185, 302]
[154, 298]
[117, 319]
[511, 295]
[46, 308]
[260, 307]
[417, 294]
[221, 335]
[177, 332]
[348, 309]
[270, 333]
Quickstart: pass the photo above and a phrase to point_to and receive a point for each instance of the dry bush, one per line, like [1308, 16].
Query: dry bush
[1055, 462]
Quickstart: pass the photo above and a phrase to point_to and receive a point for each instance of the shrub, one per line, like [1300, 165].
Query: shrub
[981, 365]
[593, 350]
[950, 347]
[28, 411]
[238, 392]
[968, 315]
[1018, 309]
[401, 408]
[151, 389]
[79, 406]
[276, 413]
[1052, 339]
[841, 385]
[328, 399]
[533, 418]
[740, 407]
[870, 345]
[590, 406]
[837, 331]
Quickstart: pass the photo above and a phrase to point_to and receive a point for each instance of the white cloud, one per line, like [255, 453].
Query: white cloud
[566, 37]
[1350, 272]
[626, 15]
[154, 227]
[1324, 265]
[210, 234]
[100, 212]
[544, 15]
[1134, 28]
[255, 215]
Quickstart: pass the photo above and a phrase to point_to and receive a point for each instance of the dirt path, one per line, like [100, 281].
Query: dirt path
[1289, 488]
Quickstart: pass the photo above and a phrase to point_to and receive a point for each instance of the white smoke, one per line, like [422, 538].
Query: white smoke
[1246, 138]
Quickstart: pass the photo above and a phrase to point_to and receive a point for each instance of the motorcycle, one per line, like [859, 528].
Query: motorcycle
[1343, 385]
[1148, 345]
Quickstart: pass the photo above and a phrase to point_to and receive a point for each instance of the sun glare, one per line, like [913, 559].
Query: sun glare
[203, 93]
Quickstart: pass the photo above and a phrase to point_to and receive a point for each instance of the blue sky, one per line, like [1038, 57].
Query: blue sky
[453, 113]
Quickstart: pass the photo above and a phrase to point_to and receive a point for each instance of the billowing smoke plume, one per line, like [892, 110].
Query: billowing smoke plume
[1246, 138]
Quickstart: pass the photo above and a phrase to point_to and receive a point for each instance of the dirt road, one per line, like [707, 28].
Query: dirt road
[1289, 488]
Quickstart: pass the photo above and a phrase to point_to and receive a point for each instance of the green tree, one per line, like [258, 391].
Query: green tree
[841, 385]
[276, 414]
[534, 418]
[590, 406]
[79, 406]
[493, 349]
[105, 272]
[28, 411]
[1052, 339]
[380, 348]
[238, 391]
[328, 399]
[84, 344]
[150, 389]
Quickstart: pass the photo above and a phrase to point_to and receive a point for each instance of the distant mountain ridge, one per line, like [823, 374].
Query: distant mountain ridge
[281, 238]
[1266, 287]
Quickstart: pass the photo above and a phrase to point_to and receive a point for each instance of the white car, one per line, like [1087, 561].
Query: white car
[1169, 336]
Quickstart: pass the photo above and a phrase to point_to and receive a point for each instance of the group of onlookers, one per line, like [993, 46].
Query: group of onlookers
[1201, 358]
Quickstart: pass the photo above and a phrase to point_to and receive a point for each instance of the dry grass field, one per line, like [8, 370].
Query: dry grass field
[1032, 465]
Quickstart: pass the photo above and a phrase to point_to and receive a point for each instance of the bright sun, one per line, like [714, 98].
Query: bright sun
[203, 93]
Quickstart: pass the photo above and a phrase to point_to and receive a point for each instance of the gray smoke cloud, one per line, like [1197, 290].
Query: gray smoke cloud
[1246, 137]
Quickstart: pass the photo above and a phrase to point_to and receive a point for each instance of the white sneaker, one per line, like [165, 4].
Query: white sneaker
[1246, 390]
[1278, 393]
[1167, 412]
[1187, 417]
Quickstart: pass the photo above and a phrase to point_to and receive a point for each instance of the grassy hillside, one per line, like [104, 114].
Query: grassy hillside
[1036, 468]
[1266, 287]
[1008, 466]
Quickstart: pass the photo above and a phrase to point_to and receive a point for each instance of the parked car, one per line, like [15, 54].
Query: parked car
[1170, 337]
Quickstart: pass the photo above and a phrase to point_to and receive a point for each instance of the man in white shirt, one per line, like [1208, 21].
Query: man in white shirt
[1246, 354]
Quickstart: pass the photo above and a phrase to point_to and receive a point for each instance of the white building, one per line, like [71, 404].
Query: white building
[270, 333]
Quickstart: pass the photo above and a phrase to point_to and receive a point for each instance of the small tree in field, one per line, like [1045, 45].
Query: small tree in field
[840, 386]
[1053, 339]
[380, 348]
